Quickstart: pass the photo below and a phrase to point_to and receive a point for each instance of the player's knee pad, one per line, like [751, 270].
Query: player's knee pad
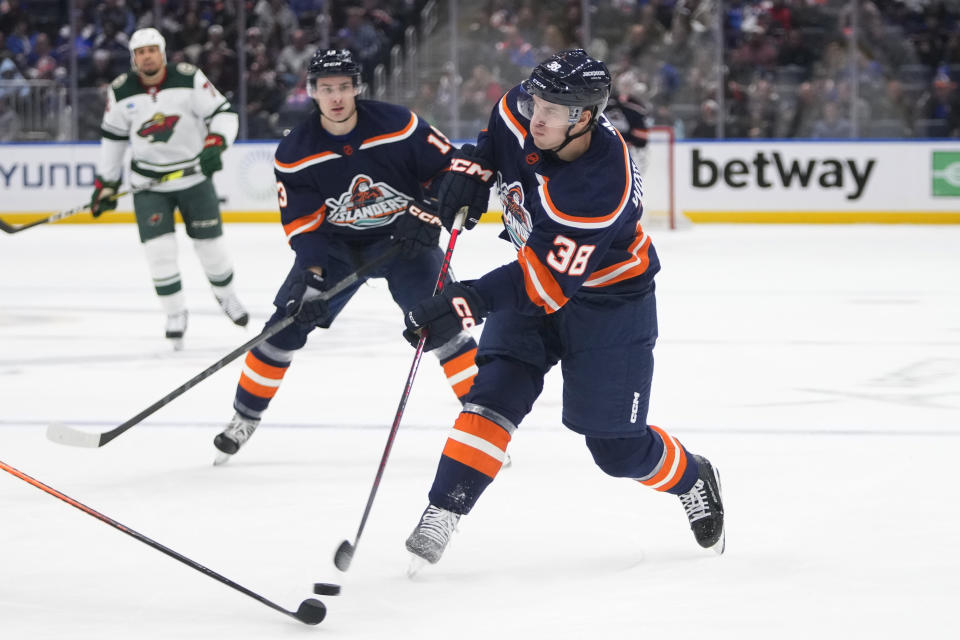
[629, 457]
[212, 253]
[162, 257]
[506, 386]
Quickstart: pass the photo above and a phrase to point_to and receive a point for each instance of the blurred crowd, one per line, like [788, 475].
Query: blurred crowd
[280, 37]
[781, 69]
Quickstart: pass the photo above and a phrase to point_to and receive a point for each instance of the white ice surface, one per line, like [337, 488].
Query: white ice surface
[817, 366]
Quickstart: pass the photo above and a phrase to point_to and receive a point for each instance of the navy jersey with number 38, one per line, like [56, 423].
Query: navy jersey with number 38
[354, 187]
[576, 225]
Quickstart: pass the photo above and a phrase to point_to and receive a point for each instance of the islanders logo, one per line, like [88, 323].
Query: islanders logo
[366, 204]
[516, 219]
[159, 128]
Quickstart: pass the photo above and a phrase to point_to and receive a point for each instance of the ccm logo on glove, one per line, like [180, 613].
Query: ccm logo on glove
[470, 168]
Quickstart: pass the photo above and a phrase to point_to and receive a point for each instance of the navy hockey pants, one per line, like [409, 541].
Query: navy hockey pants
[604, 345]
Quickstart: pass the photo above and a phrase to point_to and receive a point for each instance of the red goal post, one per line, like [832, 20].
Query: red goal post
[657, 162]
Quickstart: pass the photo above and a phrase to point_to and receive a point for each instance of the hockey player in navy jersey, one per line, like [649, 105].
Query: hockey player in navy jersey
[353, 179]
[580, 293]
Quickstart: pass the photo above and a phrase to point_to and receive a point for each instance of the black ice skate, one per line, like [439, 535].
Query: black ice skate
[431, 536]
[237, 432]
[704, 507]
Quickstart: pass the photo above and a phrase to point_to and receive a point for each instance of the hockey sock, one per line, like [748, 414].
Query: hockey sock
[263, 371]
[162, 262]
[216, 263]
[472, 457]
[677, 469]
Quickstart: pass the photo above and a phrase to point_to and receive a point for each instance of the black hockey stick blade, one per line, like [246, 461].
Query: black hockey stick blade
[343, 556]
[310, 611]
[64, 434]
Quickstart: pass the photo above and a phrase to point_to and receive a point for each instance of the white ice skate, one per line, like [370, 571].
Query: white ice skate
[228, 442]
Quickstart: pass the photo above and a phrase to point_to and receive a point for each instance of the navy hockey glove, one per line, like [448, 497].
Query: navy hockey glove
[417, 229]
[104, 196]
[303, 299]
[466, 184]
[443, 316]
[210, 161]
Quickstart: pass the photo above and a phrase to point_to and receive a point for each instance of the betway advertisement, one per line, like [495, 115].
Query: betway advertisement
[762, 181]
[781, 181]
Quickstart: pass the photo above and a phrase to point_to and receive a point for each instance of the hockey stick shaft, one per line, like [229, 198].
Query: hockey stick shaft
[166, 550]
[344, 554]
[60, 215]
[66, 435]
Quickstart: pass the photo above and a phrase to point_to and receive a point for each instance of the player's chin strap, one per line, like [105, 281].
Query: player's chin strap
[570, 138]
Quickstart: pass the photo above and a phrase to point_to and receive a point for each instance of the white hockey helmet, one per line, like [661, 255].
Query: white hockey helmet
[145, 38]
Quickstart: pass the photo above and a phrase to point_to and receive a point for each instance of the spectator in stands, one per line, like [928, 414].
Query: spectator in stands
[9, 121]
[116, 12]
[706, 125]
[10, 75]
[939, 109]
[263, 98]
[294, 58]
[801, 115]
[832, 124]
[276, 20]
[360, 36]
[100, 72]
[478, 94]
[10, 14]
[222, 72]
[255, 45]
[18, 42]
[227, 56]
[113, 41]
[191, 37]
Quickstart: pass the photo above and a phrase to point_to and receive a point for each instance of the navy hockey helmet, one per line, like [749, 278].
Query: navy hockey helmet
[332, 62]
[570, 78]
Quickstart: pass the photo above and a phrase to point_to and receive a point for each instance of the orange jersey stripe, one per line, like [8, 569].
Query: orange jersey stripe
[511, 121]
[542, 288]
[317, 157]
[640, 248]
[592, 221]
[305, 223]
[264, 369]
[255, 388]
[473, 458]
[388, 137]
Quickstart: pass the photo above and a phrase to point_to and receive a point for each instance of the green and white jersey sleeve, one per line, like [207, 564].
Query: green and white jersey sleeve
[165, 125]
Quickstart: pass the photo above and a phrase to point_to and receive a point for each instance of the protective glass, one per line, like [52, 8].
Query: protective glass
[550, 114]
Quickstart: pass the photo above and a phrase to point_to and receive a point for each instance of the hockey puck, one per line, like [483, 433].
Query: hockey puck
[326, 589]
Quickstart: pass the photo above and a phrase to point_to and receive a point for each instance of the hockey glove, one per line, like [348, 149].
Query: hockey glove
[104, 196]
[210, 161]
[456, 308]
[466, 184]
[416, 230]
[303, 299]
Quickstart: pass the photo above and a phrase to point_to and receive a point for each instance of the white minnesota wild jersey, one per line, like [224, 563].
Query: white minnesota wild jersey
[165, 125]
